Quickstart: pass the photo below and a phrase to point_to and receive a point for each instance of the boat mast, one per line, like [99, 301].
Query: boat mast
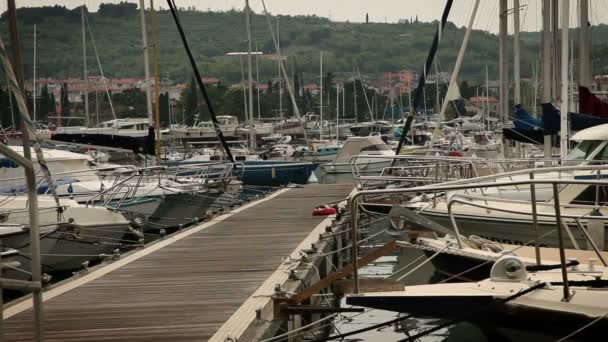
[563, 130]
[504, 73]
[437, 105]
[546, 69]
[337, 108]
[584, 41]
[84, 70]
[257, 79]
[249, 78]
[516, 58]
[156, 83]
[355, 94]
[487, 98]
[279, 67]
[296, 111]
[321, 97]
[456, 71]
[390, 94]
[34, 82]
[144, 39]
[427, 65]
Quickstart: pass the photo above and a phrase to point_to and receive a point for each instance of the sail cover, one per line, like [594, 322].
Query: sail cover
[590, 104]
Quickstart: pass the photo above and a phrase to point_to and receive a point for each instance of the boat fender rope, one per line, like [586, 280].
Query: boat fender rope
[536, 268]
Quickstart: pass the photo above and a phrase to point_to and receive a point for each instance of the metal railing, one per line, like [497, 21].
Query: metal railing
[408, 170]
[531, 183]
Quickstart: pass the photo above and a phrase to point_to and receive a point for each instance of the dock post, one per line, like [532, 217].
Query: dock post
[562, 254]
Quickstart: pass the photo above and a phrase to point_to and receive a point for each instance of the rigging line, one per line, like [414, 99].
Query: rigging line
[471, 314]
[418, 94]
[199, 80]
[494, 259]
[103, 78]
[279, 337]
[358, 331]
[582, 328]
[27, 123]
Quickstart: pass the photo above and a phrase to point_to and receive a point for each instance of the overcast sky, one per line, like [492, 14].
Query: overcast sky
[379, 10]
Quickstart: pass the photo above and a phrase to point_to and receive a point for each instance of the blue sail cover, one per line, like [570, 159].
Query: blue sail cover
[550, 124]
[523, 120]
[551, 116]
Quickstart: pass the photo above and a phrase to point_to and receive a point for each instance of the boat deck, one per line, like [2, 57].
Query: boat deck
[187, 286]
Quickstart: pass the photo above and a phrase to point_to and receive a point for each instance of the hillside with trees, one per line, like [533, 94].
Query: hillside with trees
[114, 38]
[378, 47]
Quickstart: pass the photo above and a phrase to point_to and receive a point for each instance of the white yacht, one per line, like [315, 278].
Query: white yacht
[368, 149]
[205, 129]
[130, 127]
[504, 213]
[261, 130]
[68, 237]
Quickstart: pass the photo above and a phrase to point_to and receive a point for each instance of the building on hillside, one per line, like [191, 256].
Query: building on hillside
[475, 104]
[313, 89]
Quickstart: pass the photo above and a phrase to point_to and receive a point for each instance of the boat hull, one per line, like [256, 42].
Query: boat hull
[509, 230]
[363, 166]
[276, 173]
[67, 248]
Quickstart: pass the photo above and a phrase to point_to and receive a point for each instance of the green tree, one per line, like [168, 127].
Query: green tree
[191, 101]
[65, 102]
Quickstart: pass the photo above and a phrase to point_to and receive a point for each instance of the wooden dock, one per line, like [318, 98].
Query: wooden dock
[193, 285]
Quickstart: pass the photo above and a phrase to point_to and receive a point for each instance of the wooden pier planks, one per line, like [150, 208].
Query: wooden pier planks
[185, 290]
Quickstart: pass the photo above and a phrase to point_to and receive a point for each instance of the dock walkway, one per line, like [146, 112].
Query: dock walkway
[185, 287]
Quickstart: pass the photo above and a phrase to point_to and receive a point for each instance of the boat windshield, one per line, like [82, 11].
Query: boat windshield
[585, 149]
[378, 147]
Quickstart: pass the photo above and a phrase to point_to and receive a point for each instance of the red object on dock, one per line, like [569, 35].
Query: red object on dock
[455, 154]
[323, 211]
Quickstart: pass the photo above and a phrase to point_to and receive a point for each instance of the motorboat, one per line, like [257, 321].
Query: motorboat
[366, 128]
[131, 127]
[205, 130]
[514, 296]
[294, 127]
[318, 151]
[261, 130]
[71, 234]
[134, 134]
[369, 151]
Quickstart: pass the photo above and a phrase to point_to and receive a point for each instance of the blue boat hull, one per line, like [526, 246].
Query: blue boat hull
[275, 173]
[267, 172]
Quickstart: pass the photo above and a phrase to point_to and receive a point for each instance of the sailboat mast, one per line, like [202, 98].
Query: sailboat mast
[564, 81]
[456, 71]
[390, 93]
[546, 69]
[279, 69]
[487, 95]
[249, 77]
[355, 95]
[34, 82]
[337, 108]
[438, 106]
[84, 69]
[504, 73]
[156, 83]
[257, 80]
[584, 41]
[516, 58]
[321, 97]
[144, 39]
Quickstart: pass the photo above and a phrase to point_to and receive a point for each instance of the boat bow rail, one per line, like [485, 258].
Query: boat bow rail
[530, 183]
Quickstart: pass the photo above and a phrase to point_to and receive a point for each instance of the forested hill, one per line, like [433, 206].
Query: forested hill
[377, 47]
